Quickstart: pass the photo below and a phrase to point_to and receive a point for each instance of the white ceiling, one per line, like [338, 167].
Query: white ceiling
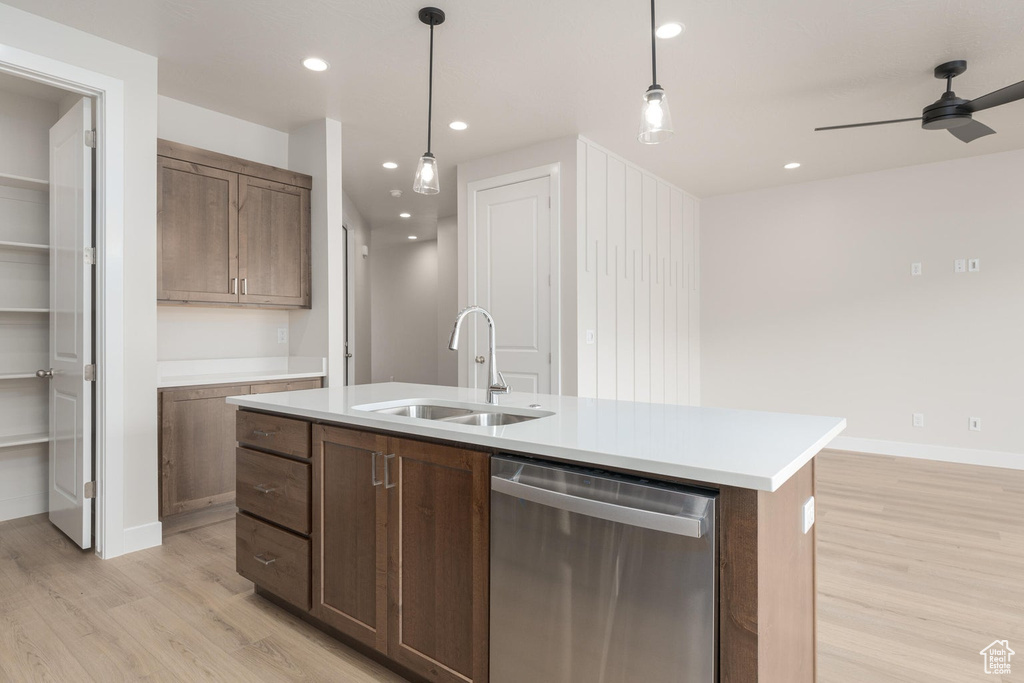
[747, 81]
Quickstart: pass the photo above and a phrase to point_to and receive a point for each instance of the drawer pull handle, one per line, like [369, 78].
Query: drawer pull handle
[263, 488]
[264, 560]
[262, 433]
[373, 468]
[388, 484]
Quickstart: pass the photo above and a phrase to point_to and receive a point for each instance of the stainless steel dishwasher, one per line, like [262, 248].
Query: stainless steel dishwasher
[597, 578]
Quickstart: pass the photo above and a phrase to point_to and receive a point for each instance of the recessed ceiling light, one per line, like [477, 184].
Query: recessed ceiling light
[390, 165]
[413, 237]
[405, 215]
[670, 30]
[315, 64]
[791, 165]
[458, 125]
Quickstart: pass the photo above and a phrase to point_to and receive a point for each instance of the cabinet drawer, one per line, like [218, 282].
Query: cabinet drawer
[273, 559]
[273, 433]
[274, 488]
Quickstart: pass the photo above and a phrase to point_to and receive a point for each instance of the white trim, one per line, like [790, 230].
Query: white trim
[553, 173]
[965, 456]
[143, 536]
[109, 294]
[33, 504]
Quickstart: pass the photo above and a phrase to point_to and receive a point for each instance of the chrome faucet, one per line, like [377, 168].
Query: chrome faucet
[498, 385]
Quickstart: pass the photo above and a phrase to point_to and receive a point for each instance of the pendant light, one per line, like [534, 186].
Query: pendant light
[426, 173]
[655, 119]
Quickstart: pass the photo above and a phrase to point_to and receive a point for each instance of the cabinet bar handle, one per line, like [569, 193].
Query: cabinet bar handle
[234, 285]
[263, 488]
[264, 560]
[245, 286]
[261, 433]
[373, 468]
[388, 484]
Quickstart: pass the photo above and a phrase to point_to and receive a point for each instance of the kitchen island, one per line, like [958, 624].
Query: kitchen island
[366, 509]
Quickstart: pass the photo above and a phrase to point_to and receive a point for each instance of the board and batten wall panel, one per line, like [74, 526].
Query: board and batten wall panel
[637, 283]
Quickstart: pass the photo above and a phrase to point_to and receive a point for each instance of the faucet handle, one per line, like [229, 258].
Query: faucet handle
[501, 378]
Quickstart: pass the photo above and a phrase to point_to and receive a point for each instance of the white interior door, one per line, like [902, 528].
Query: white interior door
[513, 281]
[71, 233]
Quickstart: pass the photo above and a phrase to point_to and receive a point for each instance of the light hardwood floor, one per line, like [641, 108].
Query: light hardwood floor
[920, 565]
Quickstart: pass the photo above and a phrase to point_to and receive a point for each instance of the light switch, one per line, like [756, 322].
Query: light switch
[974, 424]
[974, 265]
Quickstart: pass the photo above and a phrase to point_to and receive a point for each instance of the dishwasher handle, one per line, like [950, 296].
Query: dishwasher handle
[680, 525]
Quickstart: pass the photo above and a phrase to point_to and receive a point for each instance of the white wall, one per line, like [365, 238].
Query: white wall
[809, 304]
[359, 335]
[637, 283]
[561, 153]
[404, 312]
[25, 134]
[188, 332]
[447, 299]
[138, 72]
[315, 149]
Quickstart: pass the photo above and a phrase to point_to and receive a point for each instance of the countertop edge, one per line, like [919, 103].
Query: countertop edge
[575, 455]
[200, 381]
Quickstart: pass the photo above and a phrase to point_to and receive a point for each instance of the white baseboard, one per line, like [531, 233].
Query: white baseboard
[13, 508]
[143, 536]
[966, 456]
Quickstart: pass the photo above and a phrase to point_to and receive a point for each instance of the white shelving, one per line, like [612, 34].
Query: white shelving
[23, 183]
[12, 440]
[25, 246]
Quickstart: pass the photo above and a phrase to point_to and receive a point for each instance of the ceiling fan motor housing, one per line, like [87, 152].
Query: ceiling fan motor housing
[946, 113]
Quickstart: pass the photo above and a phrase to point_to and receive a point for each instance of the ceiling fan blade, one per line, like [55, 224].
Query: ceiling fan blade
[972, 131]
[1010, 93]
[873, 123]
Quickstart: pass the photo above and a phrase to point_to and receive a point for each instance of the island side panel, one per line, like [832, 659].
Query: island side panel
[767, 587]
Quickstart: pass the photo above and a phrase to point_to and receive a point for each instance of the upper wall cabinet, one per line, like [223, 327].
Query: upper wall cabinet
[230, 231]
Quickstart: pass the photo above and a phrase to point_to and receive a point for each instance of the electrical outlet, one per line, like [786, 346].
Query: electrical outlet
[919, 419]
[282, 335]
[974, 265]
[974, 424]
[808, 514]
[915, 268]
[591, 336]
[960, 266]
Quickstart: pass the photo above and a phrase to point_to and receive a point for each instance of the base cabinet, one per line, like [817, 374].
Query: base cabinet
[400, 549]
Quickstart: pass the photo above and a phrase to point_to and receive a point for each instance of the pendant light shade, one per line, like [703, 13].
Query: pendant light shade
[426, 176]
[426, 181]
[655, 118]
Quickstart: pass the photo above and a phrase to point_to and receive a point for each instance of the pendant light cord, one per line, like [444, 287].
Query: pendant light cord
[654, 52]
[430, 89]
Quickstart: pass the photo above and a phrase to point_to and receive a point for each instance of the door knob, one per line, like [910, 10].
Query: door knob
[45, 374]
[480, 360]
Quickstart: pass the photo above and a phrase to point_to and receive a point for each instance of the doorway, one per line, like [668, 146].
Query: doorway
[512, 248]
[47, 306]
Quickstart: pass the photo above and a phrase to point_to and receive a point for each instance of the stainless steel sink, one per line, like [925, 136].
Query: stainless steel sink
[490, 419]
[470, 414]
[426, 412]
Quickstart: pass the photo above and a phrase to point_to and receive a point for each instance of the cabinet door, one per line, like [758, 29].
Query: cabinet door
[350, 533]
[197, 233]
[438, 560]
[197, 448]
[273, 243]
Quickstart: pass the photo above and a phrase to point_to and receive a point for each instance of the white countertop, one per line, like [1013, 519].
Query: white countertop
[186, 373]
[743, 448]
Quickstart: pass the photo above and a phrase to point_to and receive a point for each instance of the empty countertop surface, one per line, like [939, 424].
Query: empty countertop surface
[743, 448]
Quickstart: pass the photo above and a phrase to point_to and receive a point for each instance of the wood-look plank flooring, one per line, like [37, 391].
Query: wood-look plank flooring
[920, 566]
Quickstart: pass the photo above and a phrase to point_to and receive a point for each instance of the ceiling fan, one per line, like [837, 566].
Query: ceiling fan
[952, 113]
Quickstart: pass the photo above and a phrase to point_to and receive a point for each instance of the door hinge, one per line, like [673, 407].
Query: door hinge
[90, 138]
[90, 256]
[90, 489]
[90, 372]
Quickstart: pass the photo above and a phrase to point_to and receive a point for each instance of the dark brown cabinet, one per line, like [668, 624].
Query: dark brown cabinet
[198, 431]
[230, 231]
[400, 549]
